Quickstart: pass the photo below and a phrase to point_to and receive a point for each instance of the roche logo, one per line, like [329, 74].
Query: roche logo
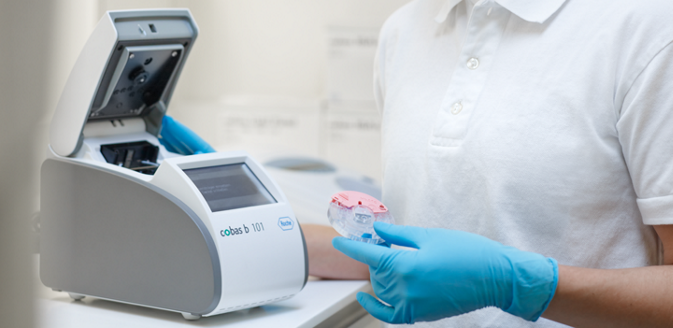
[285, 223]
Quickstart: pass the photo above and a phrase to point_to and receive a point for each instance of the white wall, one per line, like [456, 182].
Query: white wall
[263, 47]
[269, 57]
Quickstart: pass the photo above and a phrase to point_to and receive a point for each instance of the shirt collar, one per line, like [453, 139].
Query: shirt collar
[534, 11]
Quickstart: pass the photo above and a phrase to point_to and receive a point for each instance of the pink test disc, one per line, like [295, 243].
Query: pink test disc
[353, 214]
[353, 198]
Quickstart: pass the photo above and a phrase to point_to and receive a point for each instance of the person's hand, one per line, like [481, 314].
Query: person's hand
[178, 138]
[450, 273]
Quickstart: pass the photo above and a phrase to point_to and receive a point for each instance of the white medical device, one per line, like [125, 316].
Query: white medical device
[123, 219]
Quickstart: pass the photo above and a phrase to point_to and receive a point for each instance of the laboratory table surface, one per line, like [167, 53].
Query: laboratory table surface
[327, 303]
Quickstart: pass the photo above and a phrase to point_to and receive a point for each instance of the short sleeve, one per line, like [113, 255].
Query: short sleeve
[645, 129]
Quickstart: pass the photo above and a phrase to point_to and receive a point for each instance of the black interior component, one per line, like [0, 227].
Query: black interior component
[139, 156]
[132, 98]
[138, 75]
[145, 83]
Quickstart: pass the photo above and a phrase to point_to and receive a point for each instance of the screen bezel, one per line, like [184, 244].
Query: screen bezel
[263, 185]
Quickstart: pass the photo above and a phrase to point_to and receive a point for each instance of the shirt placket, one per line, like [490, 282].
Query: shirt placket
[483, 34]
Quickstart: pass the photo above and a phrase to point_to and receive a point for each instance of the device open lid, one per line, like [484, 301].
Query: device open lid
[128, 68]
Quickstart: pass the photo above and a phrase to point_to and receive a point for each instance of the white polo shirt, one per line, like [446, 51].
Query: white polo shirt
[546, 125]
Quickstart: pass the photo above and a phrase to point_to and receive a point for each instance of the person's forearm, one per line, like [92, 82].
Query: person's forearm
[325, 261]
[638, 297]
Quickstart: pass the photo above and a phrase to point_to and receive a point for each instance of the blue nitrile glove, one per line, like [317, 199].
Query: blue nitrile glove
[178, 138]
[451, 273]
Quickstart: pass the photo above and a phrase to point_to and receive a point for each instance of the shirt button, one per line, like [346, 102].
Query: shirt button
[473, 63]
[456, 108]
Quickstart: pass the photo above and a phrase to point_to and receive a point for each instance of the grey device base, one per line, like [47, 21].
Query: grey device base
[190, 317]
[76, 297]
[106, 235]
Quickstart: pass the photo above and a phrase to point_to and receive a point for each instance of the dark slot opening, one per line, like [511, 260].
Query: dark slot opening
[139, 156]
[153, 29]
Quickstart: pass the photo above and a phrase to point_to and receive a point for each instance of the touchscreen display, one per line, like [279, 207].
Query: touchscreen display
[226, 187]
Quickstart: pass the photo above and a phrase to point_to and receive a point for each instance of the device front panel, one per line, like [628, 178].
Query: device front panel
[259, 241]
[262, 255]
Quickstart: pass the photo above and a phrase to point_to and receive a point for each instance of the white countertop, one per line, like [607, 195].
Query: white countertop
[318, 301]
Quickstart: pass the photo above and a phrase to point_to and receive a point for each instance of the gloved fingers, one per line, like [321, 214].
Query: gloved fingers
[407, 236]
[378, 287]
[182, 138]
[196, 144]
[168, 145]
[192, 141]
[387, 295]
[366, 253]
[377, 309]
[381, 286]
[171, 143]
[378, 280]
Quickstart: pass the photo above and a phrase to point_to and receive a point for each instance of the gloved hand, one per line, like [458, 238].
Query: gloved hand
[451, 273]
[178, 138]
